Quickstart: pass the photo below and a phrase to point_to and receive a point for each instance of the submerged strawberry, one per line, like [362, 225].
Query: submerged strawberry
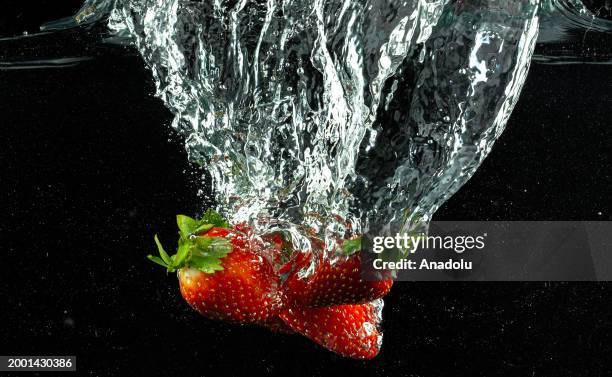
[220, 274]
[231, 274]
[349, 330]
[317, 281]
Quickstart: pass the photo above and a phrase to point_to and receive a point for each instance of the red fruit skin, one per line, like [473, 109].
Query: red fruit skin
[349, 330]
[272, 249]
[333, 282]
[245, 291]
[217, 232]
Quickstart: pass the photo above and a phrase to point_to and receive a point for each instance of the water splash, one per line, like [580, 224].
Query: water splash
[572, 33]
[337, 117]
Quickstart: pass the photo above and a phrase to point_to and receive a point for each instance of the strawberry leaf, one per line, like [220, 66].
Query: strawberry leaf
[207, 253]
[201, 252]
[162, 252]
[182, 252]
[157, 260]
[203, 228]
[212, 246]
[213, 217]
[207, 264]
[351, 246]
[187, 225]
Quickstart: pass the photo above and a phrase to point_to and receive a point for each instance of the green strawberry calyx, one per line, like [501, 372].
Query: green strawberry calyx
[350, 246]
[195, 248]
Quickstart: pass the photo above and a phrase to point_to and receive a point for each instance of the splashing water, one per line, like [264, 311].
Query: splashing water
[335, 117]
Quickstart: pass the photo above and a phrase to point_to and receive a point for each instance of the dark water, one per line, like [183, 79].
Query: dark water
[84, 188]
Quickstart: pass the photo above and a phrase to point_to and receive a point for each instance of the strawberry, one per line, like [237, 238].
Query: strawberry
[277, 249]
[349, 330]
[220, 274]
[233, 275]
[317, 281]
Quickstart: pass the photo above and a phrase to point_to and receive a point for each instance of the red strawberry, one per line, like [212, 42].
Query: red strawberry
[317, 281]
[232, 275]
[244, 292]
[349, 330]
[220, 274]
[277, 250]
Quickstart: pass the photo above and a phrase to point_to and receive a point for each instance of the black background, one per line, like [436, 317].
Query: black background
[91, 169]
